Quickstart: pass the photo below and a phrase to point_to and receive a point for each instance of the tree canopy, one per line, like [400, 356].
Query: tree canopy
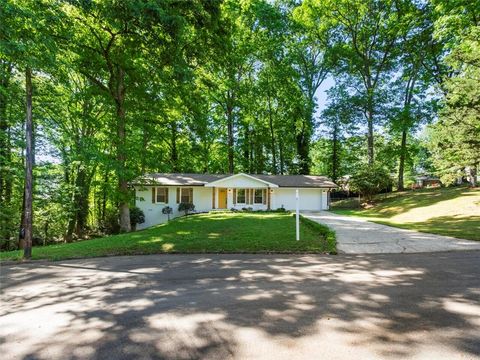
[96, 93]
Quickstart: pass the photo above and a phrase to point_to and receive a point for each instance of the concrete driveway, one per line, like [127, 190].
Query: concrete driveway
[359, 236]
[416, 306]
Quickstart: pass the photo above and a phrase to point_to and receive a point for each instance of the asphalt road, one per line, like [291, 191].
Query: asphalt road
[418, 306]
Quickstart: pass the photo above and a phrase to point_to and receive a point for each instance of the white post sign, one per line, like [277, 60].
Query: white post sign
[297, 216]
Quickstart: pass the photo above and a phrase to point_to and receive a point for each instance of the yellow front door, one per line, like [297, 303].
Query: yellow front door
[222, 198]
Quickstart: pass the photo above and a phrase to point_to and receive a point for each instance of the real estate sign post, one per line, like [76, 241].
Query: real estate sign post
[297, 214]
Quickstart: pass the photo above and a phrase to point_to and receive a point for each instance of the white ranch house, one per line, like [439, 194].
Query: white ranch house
[216, 192]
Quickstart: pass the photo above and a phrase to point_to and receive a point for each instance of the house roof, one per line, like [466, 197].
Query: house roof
[309, 181]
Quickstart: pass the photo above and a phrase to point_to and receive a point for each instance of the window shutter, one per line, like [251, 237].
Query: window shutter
[153, 195]
[178, 195]
[265, 194]
[252, 196]
[234, 196]
[191, 195]
[166, 196]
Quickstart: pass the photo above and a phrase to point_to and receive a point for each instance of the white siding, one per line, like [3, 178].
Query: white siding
[310, 199]
[202, 199]
[240, 181]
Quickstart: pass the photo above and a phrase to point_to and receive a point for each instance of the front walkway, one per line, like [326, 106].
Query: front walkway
[359, 236]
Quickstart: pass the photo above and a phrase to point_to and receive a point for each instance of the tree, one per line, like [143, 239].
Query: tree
[366, 37]
[412, 107]
[455, 138]
[370, 180]
[28, 46]
[114, 40]
[340, 118]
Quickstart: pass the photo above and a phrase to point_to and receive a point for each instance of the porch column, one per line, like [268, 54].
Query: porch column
[268, 197]
[213, 198]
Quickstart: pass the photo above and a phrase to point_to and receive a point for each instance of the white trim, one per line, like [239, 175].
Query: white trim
[213, 183]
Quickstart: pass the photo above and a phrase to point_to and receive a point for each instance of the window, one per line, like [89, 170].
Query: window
[241, 198]
[186, 195]
[162, 195]
[258, 198]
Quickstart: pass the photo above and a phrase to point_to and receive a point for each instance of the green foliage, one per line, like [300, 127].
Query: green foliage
[204, 233]
[167, 210]
[121, 89]
[454, 140]
[186, 207]
[425, 210]
[136, 216]
[370, 180]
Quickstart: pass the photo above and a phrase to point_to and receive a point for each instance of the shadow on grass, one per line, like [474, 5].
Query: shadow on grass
[219, 307]
[404, 202]
[398, 203]
[202, 233]
[462, 227]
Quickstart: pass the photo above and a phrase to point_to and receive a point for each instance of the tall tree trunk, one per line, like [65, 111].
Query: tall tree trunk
[5, 150]
[272, 135]
[104, 196]
[303, 153]
[370, 143]
[246, 149]
[230, 140]
[282, 160]
[4, 128]
[29, 159]
[406, 122]
[81, 202]
[124, 211]
[335, 153]
[369, 115]
[173, 147]
[403, 153]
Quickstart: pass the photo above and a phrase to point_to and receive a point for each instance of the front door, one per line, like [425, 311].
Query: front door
[222, 198]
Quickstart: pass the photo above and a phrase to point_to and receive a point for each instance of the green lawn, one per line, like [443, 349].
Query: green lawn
[445, 211]
[204, 233]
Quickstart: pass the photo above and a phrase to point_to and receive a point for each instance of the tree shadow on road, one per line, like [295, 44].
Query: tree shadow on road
[240, 306]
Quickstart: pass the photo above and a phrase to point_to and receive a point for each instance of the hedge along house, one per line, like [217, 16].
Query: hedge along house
[210, 192]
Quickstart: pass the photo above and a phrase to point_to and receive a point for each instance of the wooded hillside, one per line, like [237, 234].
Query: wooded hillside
[95, 93]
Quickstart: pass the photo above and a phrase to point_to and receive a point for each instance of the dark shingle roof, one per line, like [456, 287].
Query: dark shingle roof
[179, 179]
[298, 180]
[312, 181]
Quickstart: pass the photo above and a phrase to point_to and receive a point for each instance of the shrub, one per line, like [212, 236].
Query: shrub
[167, 210]
[111, 224]
[327, 235]
[136, 217]
[370, 180]
[186, 207]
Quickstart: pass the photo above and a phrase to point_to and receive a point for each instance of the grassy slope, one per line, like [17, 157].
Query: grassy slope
[204, 233]
[445, 211]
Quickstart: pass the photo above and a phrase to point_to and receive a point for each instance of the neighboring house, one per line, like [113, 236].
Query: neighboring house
[210, 192]
[426, 181]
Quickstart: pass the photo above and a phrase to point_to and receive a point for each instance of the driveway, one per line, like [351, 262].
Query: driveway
[359, 236]
[420, 306]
